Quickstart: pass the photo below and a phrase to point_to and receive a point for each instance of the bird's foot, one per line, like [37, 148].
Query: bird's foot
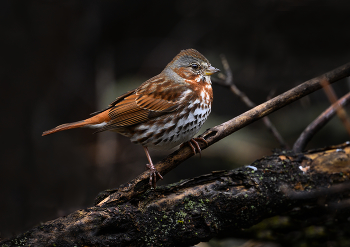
[153, 173]
[195, 146]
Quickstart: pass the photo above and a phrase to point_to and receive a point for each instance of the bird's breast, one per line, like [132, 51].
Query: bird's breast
[170, 131]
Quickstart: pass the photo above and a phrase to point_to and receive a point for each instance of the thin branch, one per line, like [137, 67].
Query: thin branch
[215, 134]
[333, 99]
[228, 82]
[318, 123]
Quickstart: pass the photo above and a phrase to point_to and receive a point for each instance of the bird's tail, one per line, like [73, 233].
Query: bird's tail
[93, 122]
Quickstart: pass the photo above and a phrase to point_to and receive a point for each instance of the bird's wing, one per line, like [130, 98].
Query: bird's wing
[136, 109]
[150, 100]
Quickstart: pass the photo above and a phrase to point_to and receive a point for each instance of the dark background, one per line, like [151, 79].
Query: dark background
[62, 60]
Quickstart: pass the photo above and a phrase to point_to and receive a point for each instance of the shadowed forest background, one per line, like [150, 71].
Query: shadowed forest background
[62, 60]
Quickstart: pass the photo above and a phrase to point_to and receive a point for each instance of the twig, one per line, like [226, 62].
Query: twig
[228, 82]
[318, 123]
[333, 99]
[215, 134]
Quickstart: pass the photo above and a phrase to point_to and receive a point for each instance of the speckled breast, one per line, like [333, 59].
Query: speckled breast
[170, 131]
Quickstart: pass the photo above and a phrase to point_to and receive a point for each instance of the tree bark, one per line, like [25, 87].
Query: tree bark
[197, 209]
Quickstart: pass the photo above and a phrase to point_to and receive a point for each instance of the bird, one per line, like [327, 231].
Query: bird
[165, 111]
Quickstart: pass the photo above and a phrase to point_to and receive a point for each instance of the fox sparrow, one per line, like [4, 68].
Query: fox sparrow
[163, 112]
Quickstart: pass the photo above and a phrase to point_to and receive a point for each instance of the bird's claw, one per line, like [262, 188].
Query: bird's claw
[196, 148]
[153, 173]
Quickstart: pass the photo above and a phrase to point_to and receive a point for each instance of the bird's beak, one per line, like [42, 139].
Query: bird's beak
[211, 70]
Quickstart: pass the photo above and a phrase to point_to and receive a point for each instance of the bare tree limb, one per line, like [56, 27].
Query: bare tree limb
[218, 132]
[197, 209]
[318, 123]
[333, 99]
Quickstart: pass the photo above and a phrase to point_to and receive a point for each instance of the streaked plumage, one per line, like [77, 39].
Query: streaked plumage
[163, 112]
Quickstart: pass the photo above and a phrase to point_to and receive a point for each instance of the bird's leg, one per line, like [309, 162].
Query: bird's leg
[153, 171]
[196, 148]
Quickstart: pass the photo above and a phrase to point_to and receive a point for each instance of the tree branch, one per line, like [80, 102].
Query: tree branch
[318, 123]
[197, 209]
[332, 97]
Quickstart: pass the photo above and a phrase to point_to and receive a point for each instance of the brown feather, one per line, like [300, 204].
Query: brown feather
[65, 127]
[154, 104]
[135, 109]
[97, 119]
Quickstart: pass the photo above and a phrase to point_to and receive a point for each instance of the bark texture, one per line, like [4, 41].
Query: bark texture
[197, 209]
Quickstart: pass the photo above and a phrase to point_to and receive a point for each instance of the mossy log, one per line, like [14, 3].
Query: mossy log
[198, 209]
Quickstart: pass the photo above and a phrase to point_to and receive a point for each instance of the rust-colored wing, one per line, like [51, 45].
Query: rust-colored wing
[136, 109]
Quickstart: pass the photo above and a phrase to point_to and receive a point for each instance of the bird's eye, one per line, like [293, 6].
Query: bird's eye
[195, 66]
